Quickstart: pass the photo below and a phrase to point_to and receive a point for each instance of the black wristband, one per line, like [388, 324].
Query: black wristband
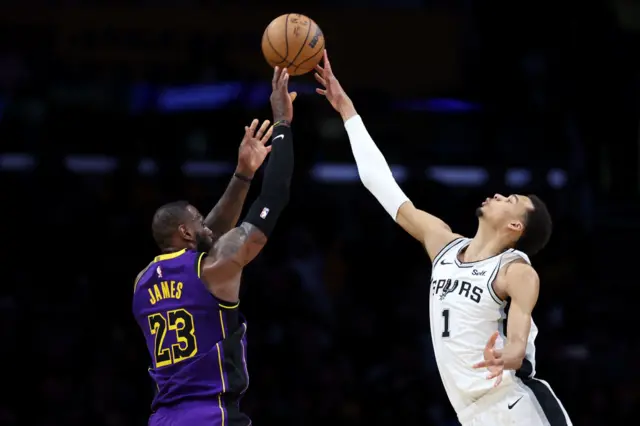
[274, 195]
[280, 133]
[242, 177]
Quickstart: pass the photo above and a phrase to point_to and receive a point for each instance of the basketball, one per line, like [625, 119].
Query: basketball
[294, 42]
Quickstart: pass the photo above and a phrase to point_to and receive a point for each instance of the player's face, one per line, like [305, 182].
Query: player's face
[505, 212]
[203, 237]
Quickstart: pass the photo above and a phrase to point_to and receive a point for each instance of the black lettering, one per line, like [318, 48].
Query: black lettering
[179, 321]
[476, 294]
[315, 38]
[465, 288]
[445, 328]
[440, 285]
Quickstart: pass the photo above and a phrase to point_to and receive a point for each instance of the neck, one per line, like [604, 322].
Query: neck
[485, 244]
[176, 247]
[169, 250]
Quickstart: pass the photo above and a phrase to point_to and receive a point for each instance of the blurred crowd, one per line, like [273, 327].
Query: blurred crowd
[337, 303]
[336, 307]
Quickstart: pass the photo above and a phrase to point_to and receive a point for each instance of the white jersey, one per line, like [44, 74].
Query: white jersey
[465, 311]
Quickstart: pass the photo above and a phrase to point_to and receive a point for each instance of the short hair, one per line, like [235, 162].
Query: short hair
[537, 228]
[166, 221]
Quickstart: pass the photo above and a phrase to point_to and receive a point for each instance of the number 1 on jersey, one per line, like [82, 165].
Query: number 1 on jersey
[445, 314]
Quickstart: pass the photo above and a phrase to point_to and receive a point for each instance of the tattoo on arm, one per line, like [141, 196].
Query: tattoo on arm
[225, 214]
[240, 245]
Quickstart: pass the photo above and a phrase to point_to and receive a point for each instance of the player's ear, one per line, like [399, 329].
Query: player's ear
[185, 233]
[516, 225]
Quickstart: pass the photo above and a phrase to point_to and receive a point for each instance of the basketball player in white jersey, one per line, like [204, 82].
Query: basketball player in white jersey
[482, 289]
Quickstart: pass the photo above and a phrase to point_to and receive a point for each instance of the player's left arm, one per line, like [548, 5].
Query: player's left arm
[522, 285]
[235, 249]
[251, 154]
[226, 212]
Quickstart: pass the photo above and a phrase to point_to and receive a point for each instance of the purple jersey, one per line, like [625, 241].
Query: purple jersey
[196, 342]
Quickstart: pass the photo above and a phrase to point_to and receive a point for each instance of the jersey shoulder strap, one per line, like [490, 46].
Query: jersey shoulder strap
[512, 255]
[449, 248]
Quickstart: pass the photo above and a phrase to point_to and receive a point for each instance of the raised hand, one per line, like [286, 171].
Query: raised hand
[331, 88]
[253, 148]
[281, 99]
[492, 360]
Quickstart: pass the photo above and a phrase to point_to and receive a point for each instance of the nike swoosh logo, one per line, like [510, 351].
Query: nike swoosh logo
[445, 263]
[513, 405]
[279, 136]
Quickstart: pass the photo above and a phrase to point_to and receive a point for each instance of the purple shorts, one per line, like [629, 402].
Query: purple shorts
[199, 414]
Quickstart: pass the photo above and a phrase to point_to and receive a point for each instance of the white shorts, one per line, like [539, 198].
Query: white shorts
[524, 403]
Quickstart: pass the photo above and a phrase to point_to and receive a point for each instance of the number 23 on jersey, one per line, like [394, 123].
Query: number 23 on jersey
[179, 321]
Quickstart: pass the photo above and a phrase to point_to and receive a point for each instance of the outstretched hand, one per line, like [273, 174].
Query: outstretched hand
[331, 88]
[281, 99]
[253, 148]
[493, 360]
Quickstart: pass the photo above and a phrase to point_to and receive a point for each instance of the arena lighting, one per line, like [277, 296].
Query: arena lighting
[256, 95]
[330, 173]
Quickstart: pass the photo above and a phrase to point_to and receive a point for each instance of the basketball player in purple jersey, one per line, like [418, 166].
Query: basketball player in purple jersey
[186, 300]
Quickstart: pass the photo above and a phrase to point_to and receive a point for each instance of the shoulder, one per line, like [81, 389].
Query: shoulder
[513, 255]
[140, 275]
[521, 280]
[452, 242]
[516, 276]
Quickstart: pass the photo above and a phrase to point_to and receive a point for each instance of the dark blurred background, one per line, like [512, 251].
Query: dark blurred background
[110, 108]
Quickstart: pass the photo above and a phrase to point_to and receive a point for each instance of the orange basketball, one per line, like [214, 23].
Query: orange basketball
[294, 42]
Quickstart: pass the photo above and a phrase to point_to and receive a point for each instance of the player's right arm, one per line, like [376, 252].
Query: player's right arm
[376, 174]
[221, 269]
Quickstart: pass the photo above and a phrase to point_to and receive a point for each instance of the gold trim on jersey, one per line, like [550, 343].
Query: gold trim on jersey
[224, 333]
[224, 385]
[158, 258]
[199, 265]
[168, 256]
[223, 306]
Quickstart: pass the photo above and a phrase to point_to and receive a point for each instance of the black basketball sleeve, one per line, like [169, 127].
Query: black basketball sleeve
[274, 194]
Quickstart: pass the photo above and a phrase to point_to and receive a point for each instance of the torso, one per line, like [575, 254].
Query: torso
[196, 343]
[465, 310]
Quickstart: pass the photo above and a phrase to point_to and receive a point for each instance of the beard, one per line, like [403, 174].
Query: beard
[479, 212]
[203, 243]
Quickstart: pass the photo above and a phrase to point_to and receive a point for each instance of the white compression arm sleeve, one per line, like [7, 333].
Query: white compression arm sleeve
[374, 171]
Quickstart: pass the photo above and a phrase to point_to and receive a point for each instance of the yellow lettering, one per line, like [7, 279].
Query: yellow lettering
[179, 290]
[156, 290]
[152, 299]
[165, 290]
[173, 289]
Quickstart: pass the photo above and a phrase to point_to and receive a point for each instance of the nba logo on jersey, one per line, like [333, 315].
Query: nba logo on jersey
[264, 213]
[159, 272]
